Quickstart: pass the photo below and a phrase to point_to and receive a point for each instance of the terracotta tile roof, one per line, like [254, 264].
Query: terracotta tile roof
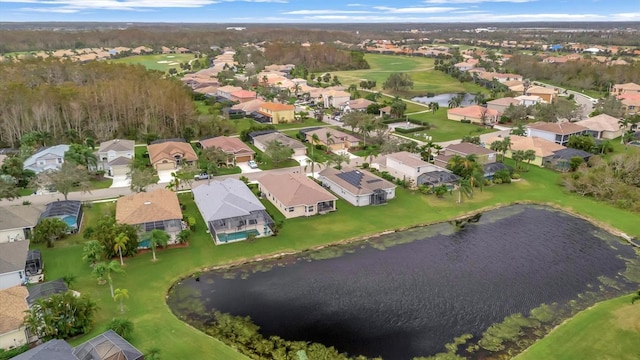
[13, 304]
[244, 94]
[229, 89]
[542, 147]
[277, 107]
[281, 138]
[541, 90]
[167, 150]
[359, 104]
[512, 83]
[249, 106]
[505, 101]
[230, 145]
[602, 122]
[473, 111]
[466, 148]
[407, 158]
[565, 128]
[627, 86]
[336, 93]
[295, 189]
[336, 135]
[140, 208]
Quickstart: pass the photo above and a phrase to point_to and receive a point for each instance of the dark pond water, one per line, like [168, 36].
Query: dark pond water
[407, 294]
[443, 99]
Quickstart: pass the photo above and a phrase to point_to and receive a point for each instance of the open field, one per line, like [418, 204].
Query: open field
[162, 62]
[425, 78]
[148, 282]
[609, 330]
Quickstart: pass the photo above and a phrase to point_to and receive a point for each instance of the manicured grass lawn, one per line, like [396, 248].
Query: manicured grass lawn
[149, 281]
[201, 107]
[425, 78]
[609, 330]
[242, 124]
[443, 129]
[162, 62]
[101, 184]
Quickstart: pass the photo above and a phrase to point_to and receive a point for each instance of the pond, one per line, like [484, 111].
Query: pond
[443, 99]
[408, 293]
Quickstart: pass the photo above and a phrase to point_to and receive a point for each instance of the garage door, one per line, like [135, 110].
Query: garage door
[165, 166]
[119, 170]
[243, 158]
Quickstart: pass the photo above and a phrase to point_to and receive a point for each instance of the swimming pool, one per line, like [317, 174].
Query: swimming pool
[71, 221]
[226, 237]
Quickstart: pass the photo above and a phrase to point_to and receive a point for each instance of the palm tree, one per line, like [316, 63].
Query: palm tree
[296, 89]
[623, 124]
[122, 327]
[90, 142]
[479, 98]
[120, 243]
[174, 184]
[529, 155]
[434, 106]
[120, 295]
[330, 140]
[92, 252]
[311, 164]
[103, 271]
[497, 147]
[157, 238]
[464, 187]
[315, 139]
[518, 157]
[506, 145]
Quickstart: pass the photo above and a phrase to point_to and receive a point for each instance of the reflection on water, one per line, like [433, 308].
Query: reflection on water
[406, 294]
[443, 99]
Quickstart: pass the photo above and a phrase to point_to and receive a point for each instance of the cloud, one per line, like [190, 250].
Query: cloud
[321, 12]
[415, 10]
[356, 5]
[474, 1]
[73, 6]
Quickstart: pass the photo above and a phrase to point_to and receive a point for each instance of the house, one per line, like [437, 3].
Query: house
[169, 155]
[404, 165]
[628, 88]
[13, 304]
[249, 106]
[278, 113]
[502, 78]
[630, 103]
[473, 113]
[242, 96]
[483, 155]
[226, 91]
[234, 147]
[547, 95]
[543, 148]
[358, 187]
[603, 126]
[45, 290]
[556, 132]
[114, 156]
[17, 222]
[333, 139]
[231, 211]
[69, 211]
[357, 105]
[527, 100]
[464, 66]
[500, 105]
[106, 346]
[157, 209]
[261, 142]
[13, 258]
[561, 159]
[335, 98]
[50, 158]
[296, 195]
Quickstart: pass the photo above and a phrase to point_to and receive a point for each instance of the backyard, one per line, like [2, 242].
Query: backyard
[148, 282]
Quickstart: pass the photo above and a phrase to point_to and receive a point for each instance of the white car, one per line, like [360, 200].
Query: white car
[252, 164]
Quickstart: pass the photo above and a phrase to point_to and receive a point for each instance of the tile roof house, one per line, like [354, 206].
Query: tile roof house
[261, 142]
[357, 105]
[13, 304]
[243, 95]
[475, 114]
[483, 155]
[335, 98]
[409, 166]
[358, 187]
[556, 132]
[501, 104]
[528, 100]
[114, 156]
[231, 211]
[226, 91]
[50, 158]
[169, 155]
[628, 88]
[157, 209]
[17, 222]
[234, 147]
[603, 126]
[13, 258]
[548, 95]
[332, 138]
[542, 147]
[630, 103]
[296, 195]
[249, 106]
[278, 113]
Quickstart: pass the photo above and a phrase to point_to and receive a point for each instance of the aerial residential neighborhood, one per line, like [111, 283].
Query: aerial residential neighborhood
[191, 189]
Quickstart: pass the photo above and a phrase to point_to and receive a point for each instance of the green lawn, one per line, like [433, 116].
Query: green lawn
[101, 184]
[443, 129]
[425, 78]
[162, 62]
[610, 330]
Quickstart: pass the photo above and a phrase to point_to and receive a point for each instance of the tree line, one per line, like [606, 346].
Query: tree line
[316, 57]
[97, 99]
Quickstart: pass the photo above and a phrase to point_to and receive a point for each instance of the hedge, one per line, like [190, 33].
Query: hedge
[412, 130]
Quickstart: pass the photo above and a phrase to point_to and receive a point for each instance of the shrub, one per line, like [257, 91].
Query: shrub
[409, 131]
[122, 327]
[503, 176]
[365, 165]
[26, 202]
[515, 176]
[465, 121]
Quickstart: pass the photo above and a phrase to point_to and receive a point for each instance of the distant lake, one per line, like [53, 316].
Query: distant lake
[443, 99]
[408, 293]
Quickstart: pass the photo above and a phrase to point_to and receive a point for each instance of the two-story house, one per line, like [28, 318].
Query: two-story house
[114, 156]
[556, 132]
[408, 166]
[335, 98]
[50, 158]
[278, 113]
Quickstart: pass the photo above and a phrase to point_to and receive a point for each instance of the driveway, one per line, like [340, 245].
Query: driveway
[244, 166]
[302, 159]
[165, 176]
[120, 181]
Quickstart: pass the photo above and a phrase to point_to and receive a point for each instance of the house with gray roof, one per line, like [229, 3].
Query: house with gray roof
[17, 222]
[406, 166]
[231, 210]
[50, 158]
[262, 141]
[13, 257]
[358, 187]
[55, 349]
[114, 156]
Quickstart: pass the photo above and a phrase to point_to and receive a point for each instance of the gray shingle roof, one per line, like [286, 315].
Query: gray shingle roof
[13, 256]
[55, 349]
[107, 346]
[19, 216]
[225, 199]
[117, 145]
[46, 289]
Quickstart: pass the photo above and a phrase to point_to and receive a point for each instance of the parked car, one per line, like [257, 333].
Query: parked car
[252, 164]
[203, 176]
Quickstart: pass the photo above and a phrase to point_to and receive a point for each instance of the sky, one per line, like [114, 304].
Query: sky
[323, 11]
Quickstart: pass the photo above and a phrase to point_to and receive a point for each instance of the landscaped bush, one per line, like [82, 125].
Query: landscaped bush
[365, 165]
[409, 131]
[465, 121]
[502, 177]
[8, 354]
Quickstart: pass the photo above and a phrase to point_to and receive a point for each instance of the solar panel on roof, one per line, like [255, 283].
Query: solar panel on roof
[352, 177]
[373, 181]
